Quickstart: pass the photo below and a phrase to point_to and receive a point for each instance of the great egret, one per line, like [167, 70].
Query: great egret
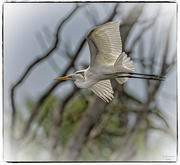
[107, 62]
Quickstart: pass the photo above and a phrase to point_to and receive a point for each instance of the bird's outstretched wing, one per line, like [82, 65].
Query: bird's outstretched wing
[105, 43]
[103, 89]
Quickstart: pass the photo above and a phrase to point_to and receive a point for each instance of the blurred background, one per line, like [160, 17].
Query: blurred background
[47, 120]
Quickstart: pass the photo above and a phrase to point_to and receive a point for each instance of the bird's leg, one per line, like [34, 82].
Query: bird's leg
[140, 76]
[149, 78]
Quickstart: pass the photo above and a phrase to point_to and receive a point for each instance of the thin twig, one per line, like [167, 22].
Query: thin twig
[48, 92]
[29, 68]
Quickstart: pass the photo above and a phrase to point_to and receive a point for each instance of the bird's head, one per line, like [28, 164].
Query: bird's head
[75, 76]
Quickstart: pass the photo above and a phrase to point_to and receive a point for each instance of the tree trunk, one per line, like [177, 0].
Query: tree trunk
[91, 116]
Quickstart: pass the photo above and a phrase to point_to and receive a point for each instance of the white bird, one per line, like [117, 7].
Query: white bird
[107, 62]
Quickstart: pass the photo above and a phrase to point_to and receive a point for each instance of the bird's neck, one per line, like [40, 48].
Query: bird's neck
[80, 82]
[83, 84]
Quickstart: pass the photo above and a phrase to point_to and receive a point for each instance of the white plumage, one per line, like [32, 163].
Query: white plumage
[106, 40]
[107, 62]
[103, 89]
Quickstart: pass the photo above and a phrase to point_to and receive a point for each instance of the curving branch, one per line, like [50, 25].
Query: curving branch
[90, 118]
[27, 71]
[57, 120]
[48, 92]
[86, 133]
[121, 152]
[130, 21]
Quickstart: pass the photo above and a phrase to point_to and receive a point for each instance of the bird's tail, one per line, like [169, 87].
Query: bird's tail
[124, 64]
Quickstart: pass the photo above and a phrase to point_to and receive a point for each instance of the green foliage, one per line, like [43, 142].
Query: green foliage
[140, 143]
[112, 127]
[72, 114]
[44, 116]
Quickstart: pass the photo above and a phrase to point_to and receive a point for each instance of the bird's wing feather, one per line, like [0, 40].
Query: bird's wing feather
[105, 43]
[103, 89]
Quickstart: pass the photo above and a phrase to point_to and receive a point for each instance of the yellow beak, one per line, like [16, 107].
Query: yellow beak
[63, 78]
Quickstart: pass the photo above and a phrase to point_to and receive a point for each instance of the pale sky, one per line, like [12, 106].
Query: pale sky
[22, 23]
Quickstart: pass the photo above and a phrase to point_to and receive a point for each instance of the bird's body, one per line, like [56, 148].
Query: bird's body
[107, 62]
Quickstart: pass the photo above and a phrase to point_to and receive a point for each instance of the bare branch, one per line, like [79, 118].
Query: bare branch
[129, 21]
[166, 50]
[129, 137]
[87, 132]
[172, 64]
[90, 117]
[48, 92]
[29, 68]
[80, 136]
[43, 46]
[152, 22]
[57, 120]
